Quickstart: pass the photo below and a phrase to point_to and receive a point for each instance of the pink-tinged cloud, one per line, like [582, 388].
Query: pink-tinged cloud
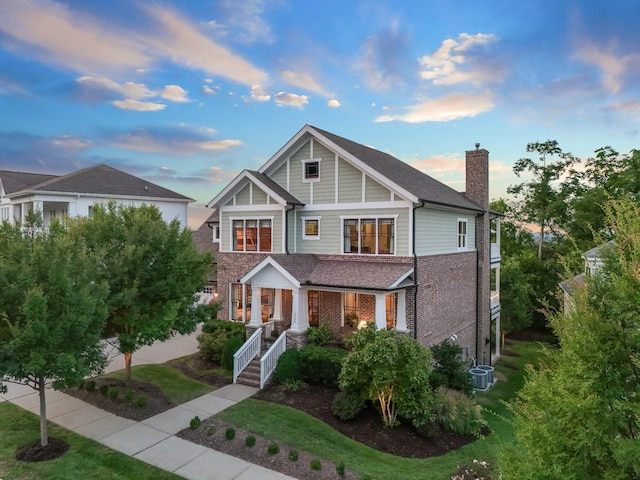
[179, 40]
[451, 107]
[175, 93]
[55, 34]
[305, 81]
[291, 99]
[138, 105]
[172, 141]
[612, 66]
[333, 103]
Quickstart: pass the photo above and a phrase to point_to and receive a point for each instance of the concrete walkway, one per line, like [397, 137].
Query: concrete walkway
[153, 440]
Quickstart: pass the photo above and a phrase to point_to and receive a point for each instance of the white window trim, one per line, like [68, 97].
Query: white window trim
[216, 232]
[369, 217]
[465, 235]
[304, 168]
[304, 229]
[252, 217]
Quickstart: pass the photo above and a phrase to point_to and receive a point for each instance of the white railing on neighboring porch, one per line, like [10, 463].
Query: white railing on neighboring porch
[495, 300]
[269, 360]
[495, 252]
[247, 352]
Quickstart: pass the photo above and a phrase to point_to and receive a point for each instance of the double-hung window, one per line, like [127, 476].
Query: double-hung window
[311, 228]
[462, 234]
[369, 236]
[252, 235]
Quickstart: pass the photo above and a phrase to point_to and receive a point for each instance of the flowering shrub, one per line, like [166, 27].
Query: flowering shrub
[479, 470]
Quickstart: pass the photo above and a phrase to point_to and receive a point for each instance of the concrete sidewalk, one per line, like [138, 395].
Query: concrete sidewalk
[153, 440]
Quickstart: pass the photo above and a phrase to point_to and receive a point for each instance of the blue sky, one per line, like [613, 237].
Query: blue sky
[188, 93]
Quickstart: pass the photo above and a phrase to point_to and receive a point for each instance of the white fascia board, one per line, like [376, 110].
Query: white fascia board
[234, 185]
[401, 279]
[269, 261]
[281, 153]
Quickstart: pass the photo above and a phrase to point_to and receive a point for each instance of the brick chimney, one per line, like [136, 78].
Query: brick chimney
[477, 184]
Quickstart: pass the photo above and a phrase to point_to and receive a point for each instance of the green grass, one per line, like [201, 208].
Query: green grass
[174, 384]
[85, 458]
[305, 432]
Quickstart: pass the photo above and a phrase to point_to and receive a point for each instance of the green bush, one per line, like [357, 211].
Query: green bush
[321, 366]
[90, 385]
[449, 370]
[347, 404]
[230, 347]
[273, 449]
[315, 464]
[293, 455]
[81, 385]
[103, 389]
[319, 336]
[230, 433]
[293, 385]
[288, 368]
[128, 396]
[457, 413]
[215, 335]
[113, 393]
[195, 422]
[236, 329]
[340, 469]
[141, 401]
[210, 430]
[250, 441]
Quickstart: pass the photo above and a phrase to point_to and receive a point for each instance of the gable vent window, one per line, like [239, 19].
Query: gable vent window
[311, 170]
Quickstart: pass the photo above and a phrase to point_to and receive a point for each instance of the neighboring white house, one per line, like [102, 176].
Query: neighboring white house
[75, 194]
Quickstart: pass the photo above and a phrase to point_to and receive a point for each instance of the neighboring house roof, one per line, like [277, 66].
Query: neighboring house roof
[426, 188]
[571, 284]
[310, 270]
[101, 180]
[596, 252]
[16, 181]
[203, 236]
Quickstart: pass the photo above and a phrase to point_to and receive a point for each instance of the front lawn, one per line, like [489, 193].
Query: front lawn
[305, 432]
[84, 459]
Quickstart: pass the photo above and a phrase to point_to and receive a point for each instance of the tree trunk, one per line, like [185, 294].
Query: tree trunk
[44, 436]
[503, 334]
[127, 366]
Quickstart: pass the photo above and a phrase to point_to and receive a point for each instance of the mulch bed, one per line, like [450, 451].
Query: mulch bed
[35, 452]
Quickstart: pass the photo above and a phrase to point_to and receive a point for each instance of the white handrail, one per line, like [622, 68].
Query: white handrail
[246, 353]
[269, 360]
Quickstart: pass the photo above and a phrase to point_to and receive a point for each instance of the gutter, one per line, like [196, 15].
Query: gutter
[415, 271]
[286, 226]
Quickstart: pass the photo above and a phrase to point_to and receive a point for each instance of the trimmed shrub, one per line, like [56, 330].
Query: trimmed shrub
[90, 385]
[141, 401]
[103, 389]
[195, 423]
[113, 393]
[236, 329]
[210, 430]
[128, 396]
[315, 464]
[81, 385]
[449, 370]
[347, 404]
[230, 433]
[340, 469]
[215, 335]
[273, 449]
[319, 336]
[457, 413]
[288, 368]
[293, 455]
[231, 346]
[321, 366]
[250, 441]
[293, 385]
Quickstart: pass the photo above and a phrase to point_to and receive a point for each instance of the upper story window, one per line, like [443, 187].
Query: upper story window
[311, 228]
[462, 234]
[251, 235]
[311, 170]
[369, 236]
[4, 214]
[216, 232]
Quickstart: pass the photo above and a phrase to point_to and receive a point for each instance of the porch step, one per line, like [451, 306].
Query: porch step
[251, 375]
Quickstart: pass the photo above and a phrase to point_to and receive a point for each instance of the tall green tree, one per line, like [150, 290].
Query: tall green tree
[154, 274]
[52, 310]
[579, 417]
[390, 369]
[540, 200]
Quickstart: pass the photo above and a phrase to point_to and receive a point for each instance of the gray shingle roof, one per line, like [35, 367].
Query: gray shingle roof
[275, 187]
[203, 236]
[18, 181]
[419, 184]
[100, 180]
[597, 252]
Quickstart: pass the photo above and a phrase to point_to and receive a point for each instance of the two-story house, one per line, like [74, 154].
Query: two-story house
[329, 231]
[75, 194]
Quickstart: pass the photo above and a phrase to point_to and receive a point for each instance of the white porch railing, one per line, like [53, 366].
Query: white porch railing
[247, 352]
[269, 360]
[268, 328]
[495, 300]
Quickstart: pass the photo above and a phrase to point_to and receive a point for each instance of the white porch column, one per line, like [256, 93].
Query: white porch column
[256, 307]
[381, 311]
[300, 310]
[277, 305]
[401, 315]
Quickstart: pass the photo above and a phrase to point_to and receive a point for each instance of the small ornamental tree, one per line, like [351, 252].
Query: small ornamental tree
[389, 368]
[52, 310]
[154, 272]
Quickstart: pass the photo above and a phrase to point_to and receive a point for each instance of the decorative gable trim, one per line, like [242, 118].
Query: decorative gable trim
[269, 261]
[239, 182]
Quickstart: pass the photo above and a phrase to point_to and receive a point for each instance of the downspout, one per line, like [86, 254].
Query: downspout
[478, 346]
[286, 226]
[415, 272]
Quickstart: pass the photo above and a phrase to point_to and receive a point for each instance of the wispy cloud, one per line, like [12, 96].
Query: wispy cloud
[101, 88]
[305, 81]
[291, 99]
[455, 62]
[245, 20]
[451, 107]
[613, 67]
[138, 105]
[258, 94]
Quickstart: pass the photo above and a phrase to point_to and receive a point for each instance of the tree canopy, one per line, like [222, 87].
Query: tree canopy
[153, 270]
[52, 309]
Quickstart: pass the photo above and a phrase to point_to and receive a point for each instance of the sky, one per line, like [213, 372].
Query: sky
[187, 94]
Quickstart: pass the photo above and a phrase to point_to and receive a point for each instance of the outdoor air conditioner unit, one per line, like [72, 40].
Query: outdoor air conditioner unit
[480, 380]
